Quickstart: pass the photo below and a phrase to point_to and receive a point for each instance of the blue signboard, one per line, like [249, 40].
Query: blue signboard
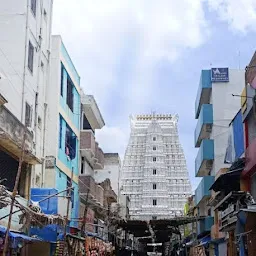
[219, 75]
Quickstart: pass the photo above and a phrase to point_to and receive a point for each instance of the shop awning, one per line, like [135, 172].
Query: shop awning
[16, 235]
[227, 182]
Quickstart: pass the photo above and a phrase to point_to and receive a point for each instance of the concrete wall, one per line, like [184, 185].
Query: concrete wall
[87, 170]
[225, 107]
[112, 166]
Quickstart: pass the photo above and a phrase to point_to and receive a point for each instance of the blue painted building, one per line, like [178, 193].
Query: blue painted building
[215, 107]
[62, 157]
[205, 144]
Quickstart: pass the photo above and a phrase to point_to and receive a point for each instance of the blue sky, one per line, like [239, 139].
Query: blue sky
[138, 56]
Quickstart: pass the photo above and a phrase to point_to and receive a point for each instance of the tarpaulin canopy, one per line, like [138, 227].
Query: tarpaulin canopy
[205, 240]
[227, 182]
[18, 235]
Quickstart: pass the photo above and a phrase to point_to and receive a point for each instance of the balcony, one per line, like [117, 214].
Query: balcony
[202, 192]
[91, 111]
[204, 124]
[99, 157]
[85, 183]
[11, 137]
[87, 145]
[204, 159]
[96, 192]
[205, 225]
[204, 91]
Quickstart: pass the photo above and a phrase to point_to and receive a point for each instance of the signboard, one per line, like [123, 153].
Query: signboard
[219, 75]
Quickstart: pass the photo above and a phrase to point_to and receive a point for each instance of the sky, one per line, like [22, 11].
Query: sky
[139, 56]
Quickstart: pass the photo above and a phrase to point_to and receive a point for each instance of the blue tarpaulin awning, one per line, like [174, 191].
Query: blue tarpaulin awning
[18, 235]
[205, 240]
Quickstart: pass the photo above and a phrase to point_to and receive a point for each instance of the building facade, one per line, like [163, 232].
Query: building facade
[63, 129]
[111, 170]
[154, 173]
[96, 195]
[249, 120]
[24, 70]
[215, 108]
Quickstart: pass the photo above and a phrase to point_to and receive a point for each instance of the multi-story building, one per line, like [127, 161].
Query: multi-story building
[249, 120]
[63, 130]
[215, 107]
[111, 170]
[24, 72]
[95, 194]
[154, 172]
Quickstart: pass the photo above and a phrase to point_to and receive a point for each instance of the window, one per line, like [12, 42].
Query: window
[154, 148]
[45, 14]
[28, 115]
[60, 133]
[82, 167]
[70, 146]
[154, 138]
[70, 95]
[38, 180]
[30, 56]
[61, 79]
[154, 186]
[39, 123]
[42, 66]
[154, 202]
[154, 171]
[154, 217]
[154, 159]
[33, 7]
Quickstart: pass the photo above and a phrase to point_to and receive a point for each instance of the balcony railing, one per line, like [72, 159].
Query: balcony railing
[202, 192]
[204, 91]
[204, 124]
[204, 159]
[87, 145]
[90, 149]
[96, 192]
[11, 136]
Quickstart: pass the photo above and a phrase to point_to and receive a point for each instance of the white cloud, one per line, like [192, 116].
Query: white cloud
[98, 33]
[240, 14]
[112, 140]
[112, 39]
